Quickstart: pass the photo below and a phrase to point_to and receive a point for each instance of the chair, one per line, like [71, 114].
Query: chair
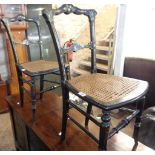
[144, 69]
[106, 92]
[33, 69]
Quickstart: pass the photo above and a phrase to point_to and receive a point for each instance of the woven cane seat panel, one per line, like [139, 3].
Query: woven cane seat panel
[107, 89]
[40, 66]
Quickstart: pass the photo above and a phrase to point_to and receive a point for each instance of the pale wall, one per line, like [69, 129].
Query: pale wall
[139, 31]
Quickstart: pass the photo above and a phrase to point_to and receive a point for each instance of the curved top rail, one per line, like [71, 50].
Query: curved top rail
[69, 8]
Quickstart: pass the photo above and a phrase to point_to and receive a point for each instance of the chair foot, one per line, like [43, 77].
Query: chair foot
[136, 132]
[135, 147]
[62, 137]
[63, 132]
[64, 126]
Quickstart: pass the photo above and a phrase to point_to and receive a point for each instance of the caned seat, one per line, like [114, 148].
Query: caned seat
[106, 92]
[40, 66]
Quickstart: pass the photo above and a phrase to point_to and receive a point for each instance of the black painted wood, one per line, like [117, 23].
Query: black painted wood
[68, 87]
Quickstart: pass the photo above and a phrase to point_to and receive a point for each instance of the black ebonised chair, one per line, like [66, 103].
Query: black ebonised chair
[106, 92]
[37, 69]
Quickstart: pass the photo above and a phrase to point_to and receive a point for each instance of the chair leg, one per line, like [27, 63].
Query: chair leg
[33, 98]
[65, 112]
[21, 91]
[137, 126]
[89, 109]
[41, 85]
[104, 130]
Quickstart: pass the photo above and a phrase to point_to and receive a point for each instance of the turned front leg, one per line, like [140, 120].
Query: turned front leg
[104, 130]
[140, 107]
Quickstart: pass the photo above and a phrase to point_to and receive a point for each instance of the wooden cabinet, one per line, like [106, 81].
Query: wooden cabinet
[18, 30]
[21, 51]
[29, 137]
[25, 138]
[3, 93]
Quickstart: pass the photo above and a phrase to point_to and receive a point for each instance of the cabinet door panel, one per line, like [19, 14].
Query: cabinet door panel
[21, 49]
[20, 131]
[3, 93]
[18, 35]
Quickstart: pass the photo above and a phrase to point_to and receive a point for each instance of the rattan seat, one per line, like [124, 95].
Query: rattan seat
[40, 66]
[108, 90]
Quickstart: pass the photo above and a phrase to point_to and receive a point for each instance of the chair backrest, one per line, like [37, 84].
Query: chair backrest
[26, 42]
[68, 9]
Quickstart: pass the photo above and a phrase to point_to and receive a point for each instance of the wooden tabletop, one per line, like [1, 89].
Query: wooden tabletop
[48, 126]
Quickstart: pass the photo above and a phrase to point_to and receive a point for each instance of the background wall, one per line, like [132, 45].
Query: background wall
[139, 31]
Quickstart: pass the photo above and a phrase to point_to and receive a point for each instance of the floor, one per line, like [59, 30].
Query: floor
[6, 135]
